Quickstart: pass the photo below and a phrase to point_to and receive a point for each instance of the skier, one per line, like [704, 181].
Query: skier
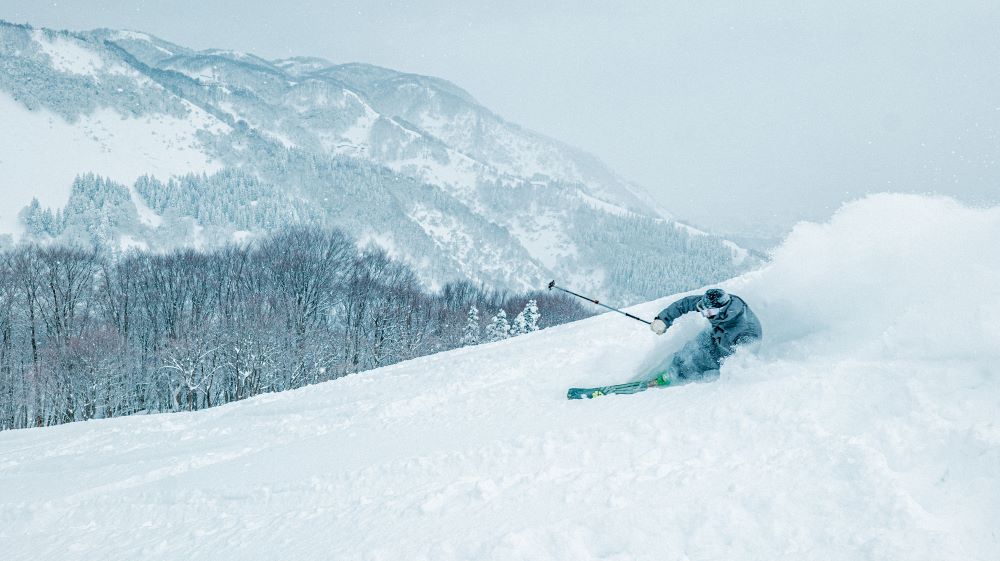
[733, 324]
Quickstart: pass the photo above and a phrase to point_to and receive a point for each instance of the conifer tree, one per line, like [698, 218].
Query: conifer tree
[499, 328]
[471, 335]
[520, 325]
[531, 316]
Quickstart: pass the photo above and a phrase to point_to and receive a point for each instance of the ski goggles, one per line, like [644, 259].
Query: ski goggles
[710, 312]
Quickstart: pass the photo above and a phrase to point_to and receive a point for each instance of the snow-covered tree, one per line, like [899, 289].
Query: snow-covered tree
[527, 320]
[520, 325]
[471, 334]
[531, 316]
[499, 327]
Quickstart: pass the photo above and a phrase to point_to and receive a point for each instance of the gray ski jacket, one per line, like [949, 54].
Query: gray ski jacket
[736, 325]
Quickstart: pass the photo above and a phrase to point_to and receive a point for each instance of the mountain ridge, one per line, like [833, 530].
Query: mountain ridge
[280, 121]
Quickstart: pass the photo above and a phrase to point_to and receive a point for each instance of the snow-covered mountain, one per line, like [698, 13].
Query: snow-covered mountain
[411, 163]
[866, 428]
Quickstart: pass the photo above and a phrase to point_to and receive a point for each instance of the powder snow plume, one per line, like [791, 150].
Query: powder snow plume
[890, 276]
[864, 429]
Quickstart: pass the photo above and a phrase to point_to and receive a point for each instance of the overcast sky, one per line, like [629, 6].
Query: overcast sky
[739, 116]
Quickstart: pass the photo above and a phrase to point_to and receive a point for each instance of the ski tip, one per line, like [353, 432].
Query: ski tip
[583, 393]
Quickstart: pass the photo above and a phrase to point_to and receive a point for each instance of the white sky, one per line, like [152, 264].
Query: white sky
[742, 117]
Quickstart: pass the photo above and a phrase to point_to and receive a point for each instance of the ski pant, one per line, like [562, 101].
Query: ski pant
[701, 357]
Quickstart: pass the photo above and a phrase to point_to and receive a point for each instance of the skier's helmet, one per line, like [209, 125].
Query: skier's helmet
[713, 301]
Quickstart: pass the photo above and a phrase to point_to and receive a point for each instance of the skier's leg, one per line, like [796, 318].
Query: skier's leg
[704, 360]
[682, 366]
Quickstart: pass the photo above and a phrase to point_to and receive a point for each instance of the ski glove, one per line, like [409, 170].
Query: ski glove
[658, 326]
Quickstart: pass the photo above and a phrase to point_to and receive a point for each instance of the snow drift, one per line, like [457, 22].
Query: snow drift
[865, 429]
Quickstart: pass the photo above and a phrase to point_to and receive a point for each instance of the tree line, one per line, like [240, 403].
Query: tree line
[90, 334]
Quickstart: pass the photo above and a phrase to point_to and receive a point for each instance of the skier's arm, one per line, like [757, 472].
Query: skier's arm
[670, 314]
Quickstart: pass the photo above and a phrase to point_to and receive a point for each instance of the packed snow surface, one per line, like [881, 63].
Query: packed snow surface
[866, 428]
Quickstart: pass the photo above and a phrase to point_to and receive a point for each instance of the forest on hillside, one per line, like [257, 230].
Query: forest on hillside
[86, 333]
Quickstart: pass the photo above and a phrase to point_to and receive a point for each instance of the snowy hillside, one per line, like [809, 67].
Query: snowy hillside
[865, 429]
[412, 164]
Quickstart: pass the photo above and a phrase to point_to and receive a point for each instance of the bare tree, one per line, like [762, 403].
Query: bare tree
[190, 373]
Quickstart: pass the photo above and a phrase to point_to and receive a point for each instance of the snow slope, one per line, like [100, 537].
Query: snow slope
[865, 429]
[41, 153]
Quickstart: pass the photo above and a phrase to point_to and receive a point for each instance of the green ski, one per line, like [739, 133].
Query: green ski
[589, 393]
[661, 381]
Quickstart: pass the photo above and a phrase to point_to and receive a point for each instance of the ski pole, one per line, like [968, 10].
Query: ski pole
[591, 300]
